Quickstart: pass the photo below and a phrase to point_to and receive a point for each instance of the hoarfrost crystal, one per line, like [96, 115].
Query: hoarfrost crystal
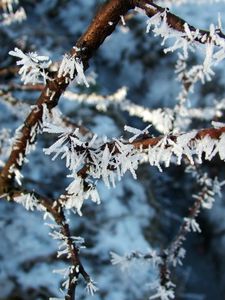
[33, 67]
[72, 66]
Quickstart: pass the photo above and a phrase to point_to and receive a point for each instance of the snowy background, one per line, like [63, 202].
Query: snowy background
[136, 215]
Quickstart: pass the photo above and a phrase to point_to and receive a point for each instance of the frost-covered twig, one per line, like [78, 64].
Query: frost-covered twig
[70, 247]
[175, 23]
[98, 158]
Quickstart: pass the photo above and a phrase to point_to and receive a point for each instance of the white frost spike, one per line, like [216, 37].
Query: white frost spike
[80, 77]
[48, 215]
[212, 30]
[79, 241]
[163, 294]
[28, 201]
[153, 21]
[94, 195]
[218, 124]
[69, 66]
[13, 16]
[105, 163]
[191, 224]
[33, 66]
[219, 147]
[91, 287]
[17, 173]
[181, 147]
[219, 55]
[177, 259]
[208, 58]
[160, 153]
[205, 145]
[77, 194]
[123, 20]
[57, 147]
[63, 272]
[116, 259]
[75, 190]
[155, 259]
[188, 31]
[136, 132]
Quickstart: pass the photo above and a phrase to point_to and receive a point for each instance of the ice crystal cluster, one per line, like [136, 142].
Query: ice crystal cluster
[33, 67]
[28, 201]
[72, 66]
[105, 159]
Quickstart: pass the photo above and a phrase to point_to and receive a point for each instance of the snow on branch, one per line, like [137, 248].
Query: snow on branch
[210, 189]
[160, 289]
